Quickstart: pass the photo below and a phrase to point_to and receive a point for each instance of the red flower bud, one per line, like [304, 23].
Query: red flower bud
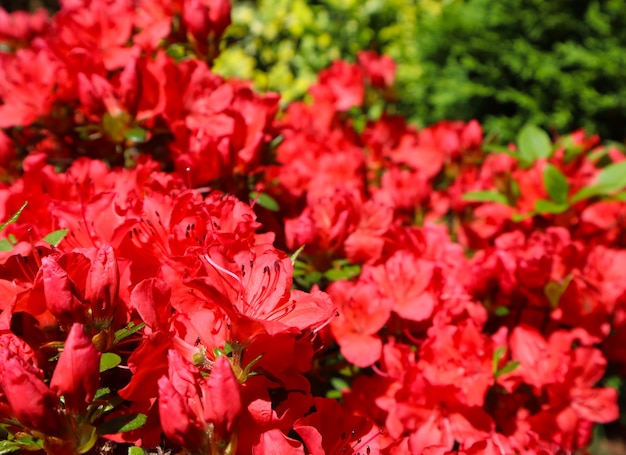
[77, 373]
[31, 401]
[103, 284]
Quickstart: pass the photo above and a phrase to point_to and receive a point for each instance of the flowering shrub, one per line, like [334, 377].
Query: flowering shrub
[185, 269]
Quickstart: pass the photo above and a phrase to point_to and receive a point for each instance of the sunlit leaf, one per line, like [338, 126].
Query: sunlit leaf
[136, 135]
[122, 424]
[485, 196]
[533, 143]
[545, 206]
[109, 360]
[54, 238]
[13, 218]
[610, 179]
[497, 356]
[556, 184]
[508, 368]
[265, 201]
[128, 331]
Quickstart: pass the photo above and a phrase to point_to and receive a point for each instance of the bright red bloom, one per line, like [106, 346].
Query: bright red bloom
[27, 86]
[91, 34]
[341, 84]
[380, 69]
[406, 280]
[196, 413]
[459, 356]
[253, 288]
[31, 401]
[206, 21]
[330, 430]
[363, 311]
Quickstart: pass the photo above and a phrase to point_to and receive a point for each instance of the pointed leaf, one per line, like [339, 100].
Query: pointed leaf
[501, 311]
[610, 179]
[13, 217]
[136, 135]
[9, 447]
[5, 245]
[54, 238]
[533, 144]
[122, 424]
[109, 360]
[485, 196]
[509, 367]
[135, 451]
[544, 206]
[497, 356]
[295, 255]
[613, 177]
[265, 200]
[555, 184]
[128, 331]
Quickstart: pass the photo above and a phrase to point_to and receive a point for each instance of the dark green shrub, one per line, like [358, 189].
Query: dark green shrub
[560, 64]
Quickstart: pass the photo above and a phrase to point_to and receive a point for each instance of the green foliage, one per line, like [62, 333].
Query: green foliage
[282, 44]
[558, 64]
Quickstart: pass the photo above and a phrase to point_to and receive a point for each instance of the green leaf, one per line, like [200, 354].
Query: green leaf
[519, 217]
[5, 245]
[27, 444]
[553, 290]
[339, 384]
[545, 206]
[555, 184]
[615, 382]
[87, 438]
[501, 311]
[613, 176]
[9, 447]
[507, 368]
[101, 392]
[13, 217]
[135, 451]
[344, 273]
[295, 255]
[115, 127]
[122, 424]
[176, 51]
[533, 143]
[610, 179]
[265, 200]
[485, 196]
[136, 135]
[109, 360]
[127, 331]
[497, 356]
[54, 238]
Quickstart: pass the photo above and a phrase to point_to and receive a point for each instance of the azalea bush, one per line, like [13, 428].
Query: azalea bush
[188, 268]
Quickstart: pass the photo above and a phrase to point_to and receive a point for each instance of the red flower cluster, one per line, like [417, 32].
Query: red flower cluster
[495, 341]
[444, 295]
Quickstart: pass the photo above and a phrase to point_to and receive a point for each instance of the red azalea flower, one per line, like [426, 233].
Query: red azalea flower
[363, 311]
[330, 430]
[196, 413]
[31, 402]
[406, 280]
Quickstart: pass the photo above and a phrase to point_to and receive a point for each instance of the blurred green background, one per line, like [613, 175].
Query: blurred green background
[560, 64]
